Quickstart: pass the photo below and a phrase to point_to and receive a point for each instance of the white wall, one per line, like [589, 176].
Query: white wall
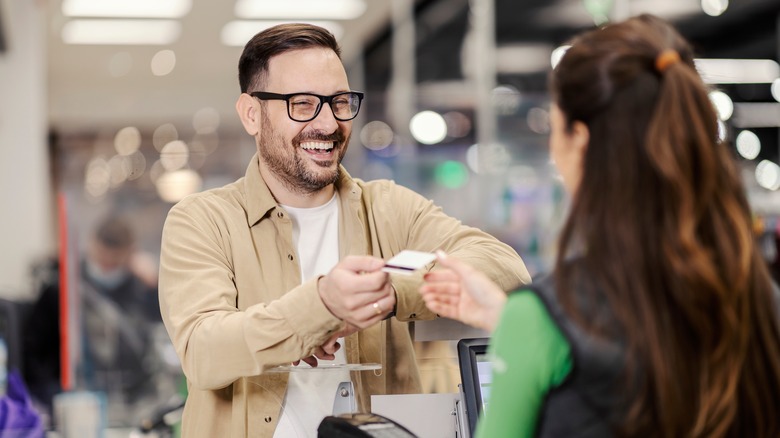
[27, 215]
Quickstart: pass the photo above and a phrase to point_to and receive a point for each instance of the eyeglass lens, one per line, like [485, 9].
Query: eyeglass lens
[304, 107]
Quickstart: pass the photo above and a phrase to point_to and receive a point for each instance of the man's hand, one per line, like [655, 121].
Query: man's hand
[357, 291]
[327, 351]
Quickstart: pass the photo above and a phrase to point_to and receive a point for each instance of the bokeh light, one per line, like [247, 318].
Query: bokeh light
[775, 89]
[723, 131]
[538, 120]
[207, 142]
[506, 100]
[97, 178]
[714, 8]
[135, 165]
[163, 62]
[458, 124]
[487, 159]
[428, 127]
[557, 54]
[174, 186]
[127, 140]
[451, 174]
[163, 135]
[376, 135]
[723, 104]
[768, 175]
[174, 155]
[748, 144]
[206, 120]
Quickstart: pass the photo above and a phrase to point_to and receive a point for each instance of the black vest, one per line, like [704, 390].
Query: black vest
[591, 400]
[586, 404]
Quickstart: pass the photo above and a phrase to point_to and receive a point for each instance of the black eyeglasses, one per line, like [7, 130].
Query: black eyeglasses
[304, 107]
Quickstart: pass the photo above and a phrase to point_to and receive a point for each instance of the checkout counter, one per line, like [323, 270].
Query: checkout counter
[445, 415]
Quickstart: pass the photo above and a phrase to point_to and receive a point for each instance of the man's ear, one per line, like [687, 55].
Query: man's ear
[249, 113]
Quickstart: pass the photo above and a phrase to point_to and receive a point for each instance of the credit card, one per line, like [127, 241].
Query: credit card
[408, 261]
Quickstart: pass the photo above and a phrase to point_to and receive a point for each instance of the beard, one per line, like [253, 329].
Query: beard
[290, 168]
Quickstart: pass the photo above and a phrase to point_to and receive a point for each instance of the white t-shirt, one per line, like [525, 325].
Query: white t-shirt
[310, 394]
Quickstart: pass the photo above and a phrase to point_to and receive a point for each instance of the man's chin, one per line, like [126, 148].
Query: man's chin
[327, 164]
[323, 173]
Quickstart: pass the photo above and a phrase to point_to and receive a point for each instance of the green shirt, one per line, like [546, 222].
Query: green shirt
[530, 356]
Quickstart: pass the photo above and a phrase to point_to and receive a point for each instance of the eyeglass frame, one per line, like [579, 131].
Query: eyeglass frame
[265, 95]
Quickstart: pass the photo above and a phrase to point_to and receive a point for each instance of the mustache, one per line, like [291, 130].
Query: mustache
[336, 137]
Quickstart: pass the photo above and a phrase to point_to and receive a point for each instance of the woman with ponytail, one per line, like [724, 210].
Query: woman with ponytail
[660, 317]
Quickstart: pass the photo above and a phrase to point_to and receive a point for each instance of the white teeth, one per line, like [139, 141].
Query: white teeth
[317, 145]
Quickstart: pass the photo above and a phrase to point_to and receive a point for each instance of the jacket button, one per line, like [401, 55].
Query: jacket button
[413, 315]
[289, 257]
[267, 419]
[279, 214]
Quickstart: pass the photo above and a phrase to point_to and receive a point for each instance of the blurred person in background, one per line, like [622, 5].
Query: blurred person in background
[119, 313]
[284, 265]
[660, 317]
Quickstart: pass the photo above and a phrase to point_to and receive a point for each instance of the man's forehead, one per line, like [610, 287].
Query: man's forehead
[306, 68]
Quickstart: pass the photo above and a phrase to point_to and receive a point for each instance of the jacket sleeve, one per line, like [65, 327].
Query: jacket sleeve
[216, 342]
[421, 225]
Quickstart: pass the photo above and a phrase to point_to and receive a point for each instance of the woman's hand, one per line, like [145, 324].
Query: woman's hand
[461, 292]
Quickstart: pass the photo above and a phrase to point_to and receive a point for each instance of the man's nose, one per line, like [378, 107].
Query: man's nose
[325, 120]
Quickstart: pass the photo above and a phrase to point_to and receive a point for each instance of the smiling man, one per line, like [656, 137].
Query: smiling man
[284, 266]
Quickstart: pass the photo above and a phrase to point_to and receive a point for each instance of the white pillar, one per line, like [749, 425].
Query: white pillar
[403, 84]
[28, 217]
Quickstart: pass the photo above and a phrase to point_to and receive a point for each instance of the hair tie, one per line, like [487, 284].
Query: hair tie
[665, 59]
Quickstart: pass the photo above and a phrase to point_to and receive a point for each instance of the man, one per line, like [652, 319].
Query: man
[118, 314]
[277, 267]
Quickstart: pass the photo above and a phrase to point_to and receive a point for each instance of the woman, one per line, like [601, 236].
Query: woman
[659, 318]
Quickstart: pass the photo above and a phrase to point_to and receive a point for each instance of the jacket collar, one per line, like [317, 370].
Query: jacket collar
[260, 202]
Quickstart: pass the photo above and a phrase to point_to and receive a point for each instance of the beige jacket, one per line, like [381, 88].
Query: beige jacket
[233, 304]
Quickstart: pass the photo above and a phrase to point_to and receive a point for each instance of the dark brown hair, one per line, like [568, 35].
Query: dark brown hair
[115, 232]
[253, 64]
[661, 223]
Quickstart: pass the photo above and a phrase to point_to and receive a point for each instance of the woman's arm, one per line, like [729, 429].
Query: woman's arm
[530, 356]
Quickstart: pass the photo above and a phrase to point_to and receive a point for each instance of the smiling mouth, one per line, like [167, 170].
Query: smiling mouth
[318, 147]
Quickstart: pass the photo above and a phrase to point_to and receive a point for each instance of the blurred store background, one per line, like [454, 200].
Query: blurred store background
[120, 108]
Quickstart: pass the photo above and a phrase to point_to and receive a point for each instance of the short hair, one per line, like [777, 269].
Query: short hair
[115, 232]
[253, 64]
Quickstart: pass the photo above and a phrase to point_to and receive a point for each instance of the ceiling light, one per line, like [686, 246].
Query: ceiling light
[125, 8]
[237, 33]
[121, 32]
[301, 9]
[738, 71]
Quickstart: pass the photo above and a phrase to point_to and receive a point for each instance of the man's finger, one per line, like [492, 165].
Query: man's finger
[331, 347]
[311, 360]
[362, 263]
